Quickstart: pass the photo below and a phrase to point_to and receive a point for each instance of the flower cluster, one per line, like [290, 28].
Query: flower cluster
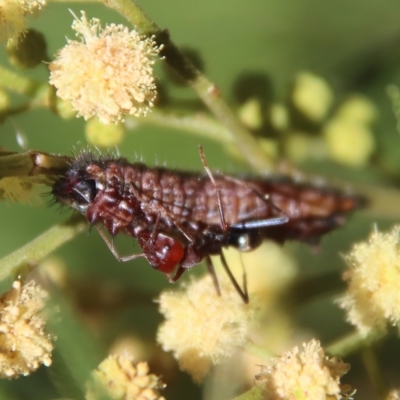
[344, 129]
[393, 395]
[373, 295]
[307, 374]
[21, 189]
[201, 328]
[23, 341]
[269, 270]
[119, 378]
[12, 16]
[108, 74]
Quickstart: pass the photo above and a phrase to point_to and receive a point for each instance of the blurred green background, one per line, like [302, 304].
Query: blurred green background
[354, 45]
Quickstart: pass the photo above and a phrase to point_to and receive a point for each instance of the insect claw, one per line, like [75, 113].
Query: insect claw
[112, 243]
[178, 273]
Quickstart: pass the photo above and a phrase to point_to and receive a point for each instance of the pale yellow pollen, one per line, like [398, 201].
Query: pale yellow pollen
[119, 378]
[23, 341]
[108, 74]
[373, 296]
[13, 14]
[307, 374]
[201, 328]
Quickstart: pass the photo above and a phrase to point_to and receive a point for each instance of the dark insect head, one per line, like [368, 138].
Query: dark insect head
[75, 189]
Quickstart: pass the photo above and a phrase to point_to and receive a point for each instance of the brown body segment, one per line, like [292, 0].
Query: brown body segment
[312, 210]
[133, 196]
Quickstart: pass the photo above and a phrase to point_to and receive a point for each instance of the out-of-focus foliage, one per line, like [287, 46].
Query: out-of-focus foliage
[253, 51]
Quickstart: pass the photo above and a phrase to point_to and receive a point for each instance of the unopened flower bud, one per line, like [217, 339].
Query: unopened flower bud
[29, 50]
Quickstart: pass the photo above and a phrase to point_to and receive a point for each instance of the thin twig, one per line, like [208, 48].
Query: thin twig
[352, 342]
[206, 90]
[30, 254]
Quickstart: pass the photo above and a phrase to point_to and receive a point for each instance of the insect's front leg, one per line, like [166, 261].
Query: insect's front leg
[110, 245]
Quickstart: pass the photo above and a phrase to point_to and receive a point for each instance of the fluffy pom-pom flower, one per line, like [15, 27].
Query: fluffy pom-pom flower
[307, 374]
[23, 342]
[202, 329]
[108, 74]
[13, 14]
[373, 295]
[119, 378]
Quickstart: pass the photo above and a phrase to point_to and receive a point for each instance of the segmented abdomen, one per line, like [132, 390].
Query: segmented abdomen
[133, 198]
[183, 196]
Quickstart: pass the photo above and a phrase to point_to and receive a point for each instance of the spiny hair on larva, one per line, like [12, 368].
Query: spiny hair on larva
[86, 155]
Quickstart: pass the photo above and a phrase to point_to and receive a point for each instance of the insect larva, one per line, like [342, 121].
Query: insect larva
[180, 218]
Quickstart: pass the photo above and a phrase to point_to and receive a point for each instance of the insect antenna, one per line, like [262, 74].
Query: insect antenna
[217, 190]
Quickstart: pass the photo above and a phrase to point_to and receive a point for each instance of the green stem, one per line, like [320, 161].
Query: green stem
[258, 351]
[382, 201]
[9, 112]
[352, 343]
[206, 90]
[199, 124]
[306, 289]
[252, 394]
[375, 372]
[18, 83]
[40, 94]
[32, 163]
[130, 10]
[75, 1]
[30, 254]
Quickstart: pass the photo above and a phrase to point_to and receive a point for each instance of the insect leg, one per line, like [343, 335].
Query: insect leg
[154, 233]
[211, 270]
[242, 292]
[179, 272]
[110, 245]
[209, 173]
